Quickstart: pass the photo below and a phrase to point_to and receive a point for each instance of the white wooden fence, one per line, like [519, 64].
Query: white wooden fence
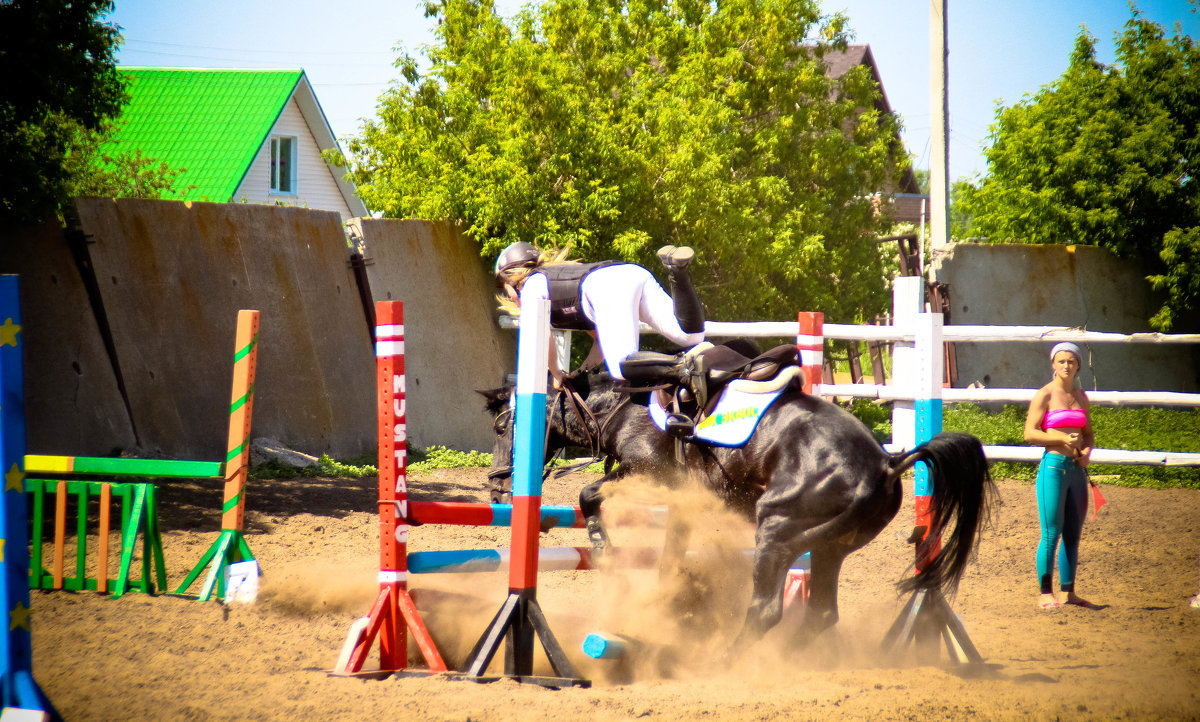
[917, 339]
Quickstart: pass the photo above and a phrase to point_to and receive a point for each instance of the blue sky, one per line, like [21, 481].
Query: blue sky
[999, 51]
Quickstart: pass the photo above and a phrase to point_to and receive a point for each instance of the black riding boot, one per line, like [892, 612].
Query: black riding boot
[688, 309]
[647, 369]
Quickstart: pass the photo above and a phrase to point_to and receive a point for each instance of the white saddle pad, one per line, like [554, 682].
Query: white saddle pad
[737, 411]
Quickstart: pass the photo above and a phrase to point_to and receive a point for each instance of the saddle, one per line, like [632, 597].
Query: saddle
[690, 383]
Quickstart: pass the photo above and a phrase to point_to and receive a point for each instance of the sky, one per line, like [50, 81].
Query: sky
[998, 51]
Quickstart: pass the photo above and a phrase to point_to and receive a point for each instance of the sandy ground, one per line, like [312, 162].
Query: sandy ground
[167, 657]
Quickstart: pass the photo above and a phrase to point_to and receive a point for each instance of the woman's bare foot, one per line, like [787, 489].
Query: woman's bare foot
[1047, 601]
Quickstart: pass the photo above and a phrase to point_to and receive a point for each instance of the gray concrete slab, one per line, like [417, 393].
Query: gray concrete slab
[72, 404]
[173, 277]
[1053, 285]
[453, 344]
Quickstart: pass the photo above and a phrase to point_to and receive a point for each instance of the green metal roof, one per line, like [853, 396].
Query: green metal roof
[210, 122]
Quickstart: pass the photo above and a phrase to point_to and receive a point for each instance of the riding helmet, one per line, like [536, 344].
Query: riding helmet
[514, 256]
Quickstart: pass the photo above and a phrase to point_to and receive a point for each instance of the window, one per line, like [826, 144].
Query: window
[283, 164]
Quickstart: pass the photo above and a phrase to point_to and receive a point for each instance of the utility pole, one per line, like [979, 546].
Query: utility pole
[939, 105]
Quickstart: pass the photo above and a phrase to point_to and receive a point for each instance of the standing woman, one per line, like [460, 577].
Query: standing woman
[1058, 420]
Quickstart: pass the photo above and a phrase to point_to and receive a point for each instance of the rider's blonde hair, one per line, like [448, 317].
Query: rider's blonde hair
[515, 277]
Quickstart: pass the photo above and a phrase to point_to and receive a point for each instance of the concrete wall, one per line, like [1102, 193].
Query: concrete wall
[72, 401]
[452, 342]
[1077, 286]
[170, 278]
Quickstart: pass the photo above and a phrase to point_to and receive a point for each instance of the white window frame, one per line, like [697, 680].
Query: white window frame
[283, 186]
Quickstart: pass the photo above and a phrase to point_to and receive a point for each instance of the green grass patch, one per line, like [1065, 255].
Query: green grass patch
[439, 457]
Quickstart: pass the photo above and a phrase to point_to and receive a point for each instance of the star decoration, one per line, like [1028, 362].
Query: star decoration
[8, 333]
[15, 478]
[19, 617]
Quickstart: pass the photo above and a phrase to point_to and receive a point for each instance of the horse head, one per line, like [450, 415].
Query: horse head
[576, 415]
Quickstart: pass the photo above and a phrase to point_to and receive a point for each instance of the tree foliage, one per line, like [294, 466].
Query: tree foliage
[1107, 155]
[94, 167]
[58, 82]
[621, 125]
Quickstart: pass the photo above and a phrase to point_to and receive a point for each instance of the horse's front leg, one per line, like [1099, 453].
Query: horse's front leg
[675, 543]
[590, 499]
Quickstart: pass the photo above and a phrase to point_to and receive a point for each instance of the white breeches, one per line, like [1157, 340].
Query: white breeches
[616, 298]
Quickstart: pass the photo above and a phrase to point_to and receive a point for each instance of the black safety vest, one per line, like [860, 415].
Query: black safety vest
[566, 283]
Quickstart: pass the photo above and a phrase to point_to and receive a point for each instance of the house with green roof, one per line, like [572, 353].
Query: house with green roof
[252, 136]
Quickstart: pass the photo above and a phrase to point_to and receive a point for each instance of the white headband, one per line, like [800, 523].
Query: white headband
[1066, 346]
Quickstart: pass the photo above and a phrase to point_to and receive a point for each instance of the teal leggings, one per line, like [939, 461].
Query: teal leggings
[1062, 505]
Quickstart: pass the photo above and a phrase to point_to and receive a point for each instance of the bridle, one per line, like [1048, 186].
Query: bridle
[593, 427]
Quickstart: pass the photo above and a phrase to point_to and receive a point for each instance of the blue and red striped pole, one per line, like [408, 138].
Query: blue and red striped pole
[17, 686]
[466, 513]
[520, 618]
[529, 443]
[928, 406]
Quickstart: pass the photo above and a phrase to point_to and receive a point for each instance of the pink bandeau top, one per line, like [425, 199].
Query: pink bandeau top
[1065, 418]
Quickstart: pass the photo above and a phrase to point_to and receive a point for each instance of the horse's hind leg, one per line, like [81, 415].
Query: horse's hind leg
[772, 559]
[821, 611]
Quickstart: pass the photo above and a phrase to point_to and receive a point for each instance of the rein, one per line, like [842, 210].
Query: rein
[587, 420]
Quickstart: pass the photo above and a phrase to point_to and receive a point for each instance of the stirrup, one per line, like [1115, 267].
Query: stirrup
[697, 380]
[680, 426]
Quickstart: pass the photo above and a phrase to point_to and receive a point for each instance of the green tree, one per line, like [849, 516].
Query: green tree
[620, 125]
[1107, 155]
[93, 168]
[58, 81]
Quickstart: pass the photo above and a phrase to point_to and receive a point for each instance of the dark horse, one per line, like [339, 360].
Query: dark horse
[812, 478]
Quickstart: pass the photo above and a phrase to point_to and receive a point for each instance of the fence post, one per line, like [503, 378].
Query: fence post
[394, 613]
[520, 617]
[928, 392]
[907, 295]
[810, 340]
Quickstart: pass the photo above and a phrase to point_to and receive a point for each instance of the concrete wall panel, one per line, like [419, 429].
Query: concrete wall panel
[72, 404]
[1051, 285]
[452, 342]
[173, 277]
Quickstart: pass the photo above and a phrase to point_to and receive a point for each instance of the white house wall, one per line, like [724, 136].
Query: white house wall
[315, 186]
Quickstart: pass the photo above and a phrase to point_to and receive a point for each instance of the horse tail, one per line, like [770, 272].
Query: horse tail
[962, 490]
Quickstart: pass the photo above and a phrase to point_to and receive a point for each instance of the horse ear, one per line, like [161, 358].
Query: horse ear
[495, 397]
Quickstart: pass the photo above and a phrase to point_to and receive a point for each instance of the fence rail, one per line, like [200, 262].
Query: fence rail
[908, 331]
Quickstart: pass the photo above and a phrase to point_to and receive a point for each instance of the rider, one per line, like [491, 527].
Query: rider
[607, 300]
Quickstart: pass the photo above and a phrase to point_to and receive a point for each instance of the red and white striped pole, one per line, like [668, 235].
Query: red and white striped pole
[810, 340]
[394, 612]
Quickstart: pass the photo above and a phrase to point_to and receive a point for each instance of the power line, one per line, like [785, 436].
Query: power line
[254, 50]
